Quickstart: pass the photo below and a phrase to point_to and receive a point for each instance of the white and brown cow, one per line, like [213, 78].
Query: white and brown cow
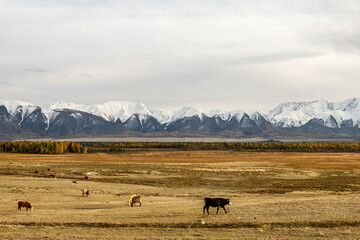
[134, 199]
[85, 192]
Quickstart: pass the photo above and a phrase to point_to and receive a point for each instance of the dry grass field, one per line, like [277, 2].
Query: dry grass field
[274, 195]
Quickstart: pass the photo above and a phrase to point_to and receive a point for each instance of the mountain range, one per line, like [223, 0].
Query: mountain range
[321, 118]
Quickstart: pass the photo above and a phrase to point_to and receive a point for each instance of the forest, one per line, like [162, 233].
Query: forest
[51, 147]
[243, 146]
[42, 147]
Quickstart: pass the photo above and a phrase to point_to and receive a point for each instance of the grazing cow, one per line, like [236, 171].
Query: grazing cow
[86, 177]
[24, 204]
[85, 192]
[215, 202]
[134, 199]
[36, 171]
[74, 181]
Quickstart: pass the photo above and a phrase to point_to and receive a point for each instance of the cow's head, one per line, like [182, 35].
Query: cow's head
[228, 201]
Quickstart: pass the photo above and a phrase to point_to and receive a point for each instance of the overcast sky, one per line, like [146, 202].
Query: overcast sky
[246, 55]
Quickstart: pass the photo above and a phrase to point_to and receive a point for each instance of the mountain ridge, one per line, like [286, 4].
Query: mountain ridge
[318, 117]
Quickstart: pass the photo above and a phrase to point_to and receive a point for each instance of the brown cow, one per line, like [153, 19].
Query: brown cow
[25, 204]
[134, 199]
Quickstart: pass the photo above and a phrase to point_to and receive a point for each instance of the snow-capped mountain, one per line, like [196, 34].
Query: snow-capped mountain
[163, 116]
[191, 111]
[143, 123]
[187, 112]
[68, 122]
[19, 110]
[110, 111]
[334, 114]
[123, 117]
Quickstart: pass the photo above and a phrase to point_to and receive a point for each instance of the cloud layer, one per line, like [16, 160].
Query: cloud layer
[167, 54]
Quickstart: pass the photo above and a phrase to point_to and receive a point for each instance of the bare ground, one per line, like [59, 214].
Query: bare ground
[274, 195]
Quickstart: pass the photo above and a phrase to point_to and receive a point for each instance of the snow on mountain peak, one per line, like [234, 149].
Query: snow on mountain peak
[295, 114]
[188, 112]
[287, 114]
[352, 104]
[114, 110]
[17, 107]
[163, 116]
[225, 114]
[12, 105]
[258, 118]
[66, 105]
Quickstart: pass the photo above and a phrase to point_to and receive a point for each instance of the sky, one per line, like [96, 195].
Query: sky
[213, 54]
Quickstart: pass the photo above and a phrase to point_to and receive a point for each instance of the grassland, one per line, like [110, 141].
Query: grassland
[274, 195]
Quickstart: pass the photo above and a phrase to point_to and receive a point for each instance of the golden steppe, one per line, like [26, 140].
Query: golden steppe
[274, 195]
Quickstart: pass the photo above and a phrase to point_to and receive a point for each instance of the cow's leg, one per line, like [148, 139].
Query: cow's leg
[207, 209]
[19, 208]
[132, 204]
[217, 210]
[224, 209]
[26, 208]
[204, 209]
[140, 204]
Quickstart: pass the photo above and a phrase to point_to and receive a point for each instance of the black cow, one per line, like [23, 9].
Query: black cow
[215, 202]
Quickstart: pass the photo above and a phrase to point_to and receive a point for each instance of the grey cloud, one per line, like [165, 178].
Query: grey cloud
[174, 53]
[277, 57]
[46, 3]
[36, 70]
[86, 75]
[337, 40]
[6, 83]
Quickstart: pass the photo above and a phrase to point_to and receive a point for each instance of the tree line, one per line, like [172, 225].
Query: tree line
[118, 147]
[42, 147]
[243, 146]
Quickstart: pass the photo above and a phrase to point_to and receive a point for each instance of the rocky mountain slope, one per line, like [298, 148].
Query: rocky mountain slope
[316, 118]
